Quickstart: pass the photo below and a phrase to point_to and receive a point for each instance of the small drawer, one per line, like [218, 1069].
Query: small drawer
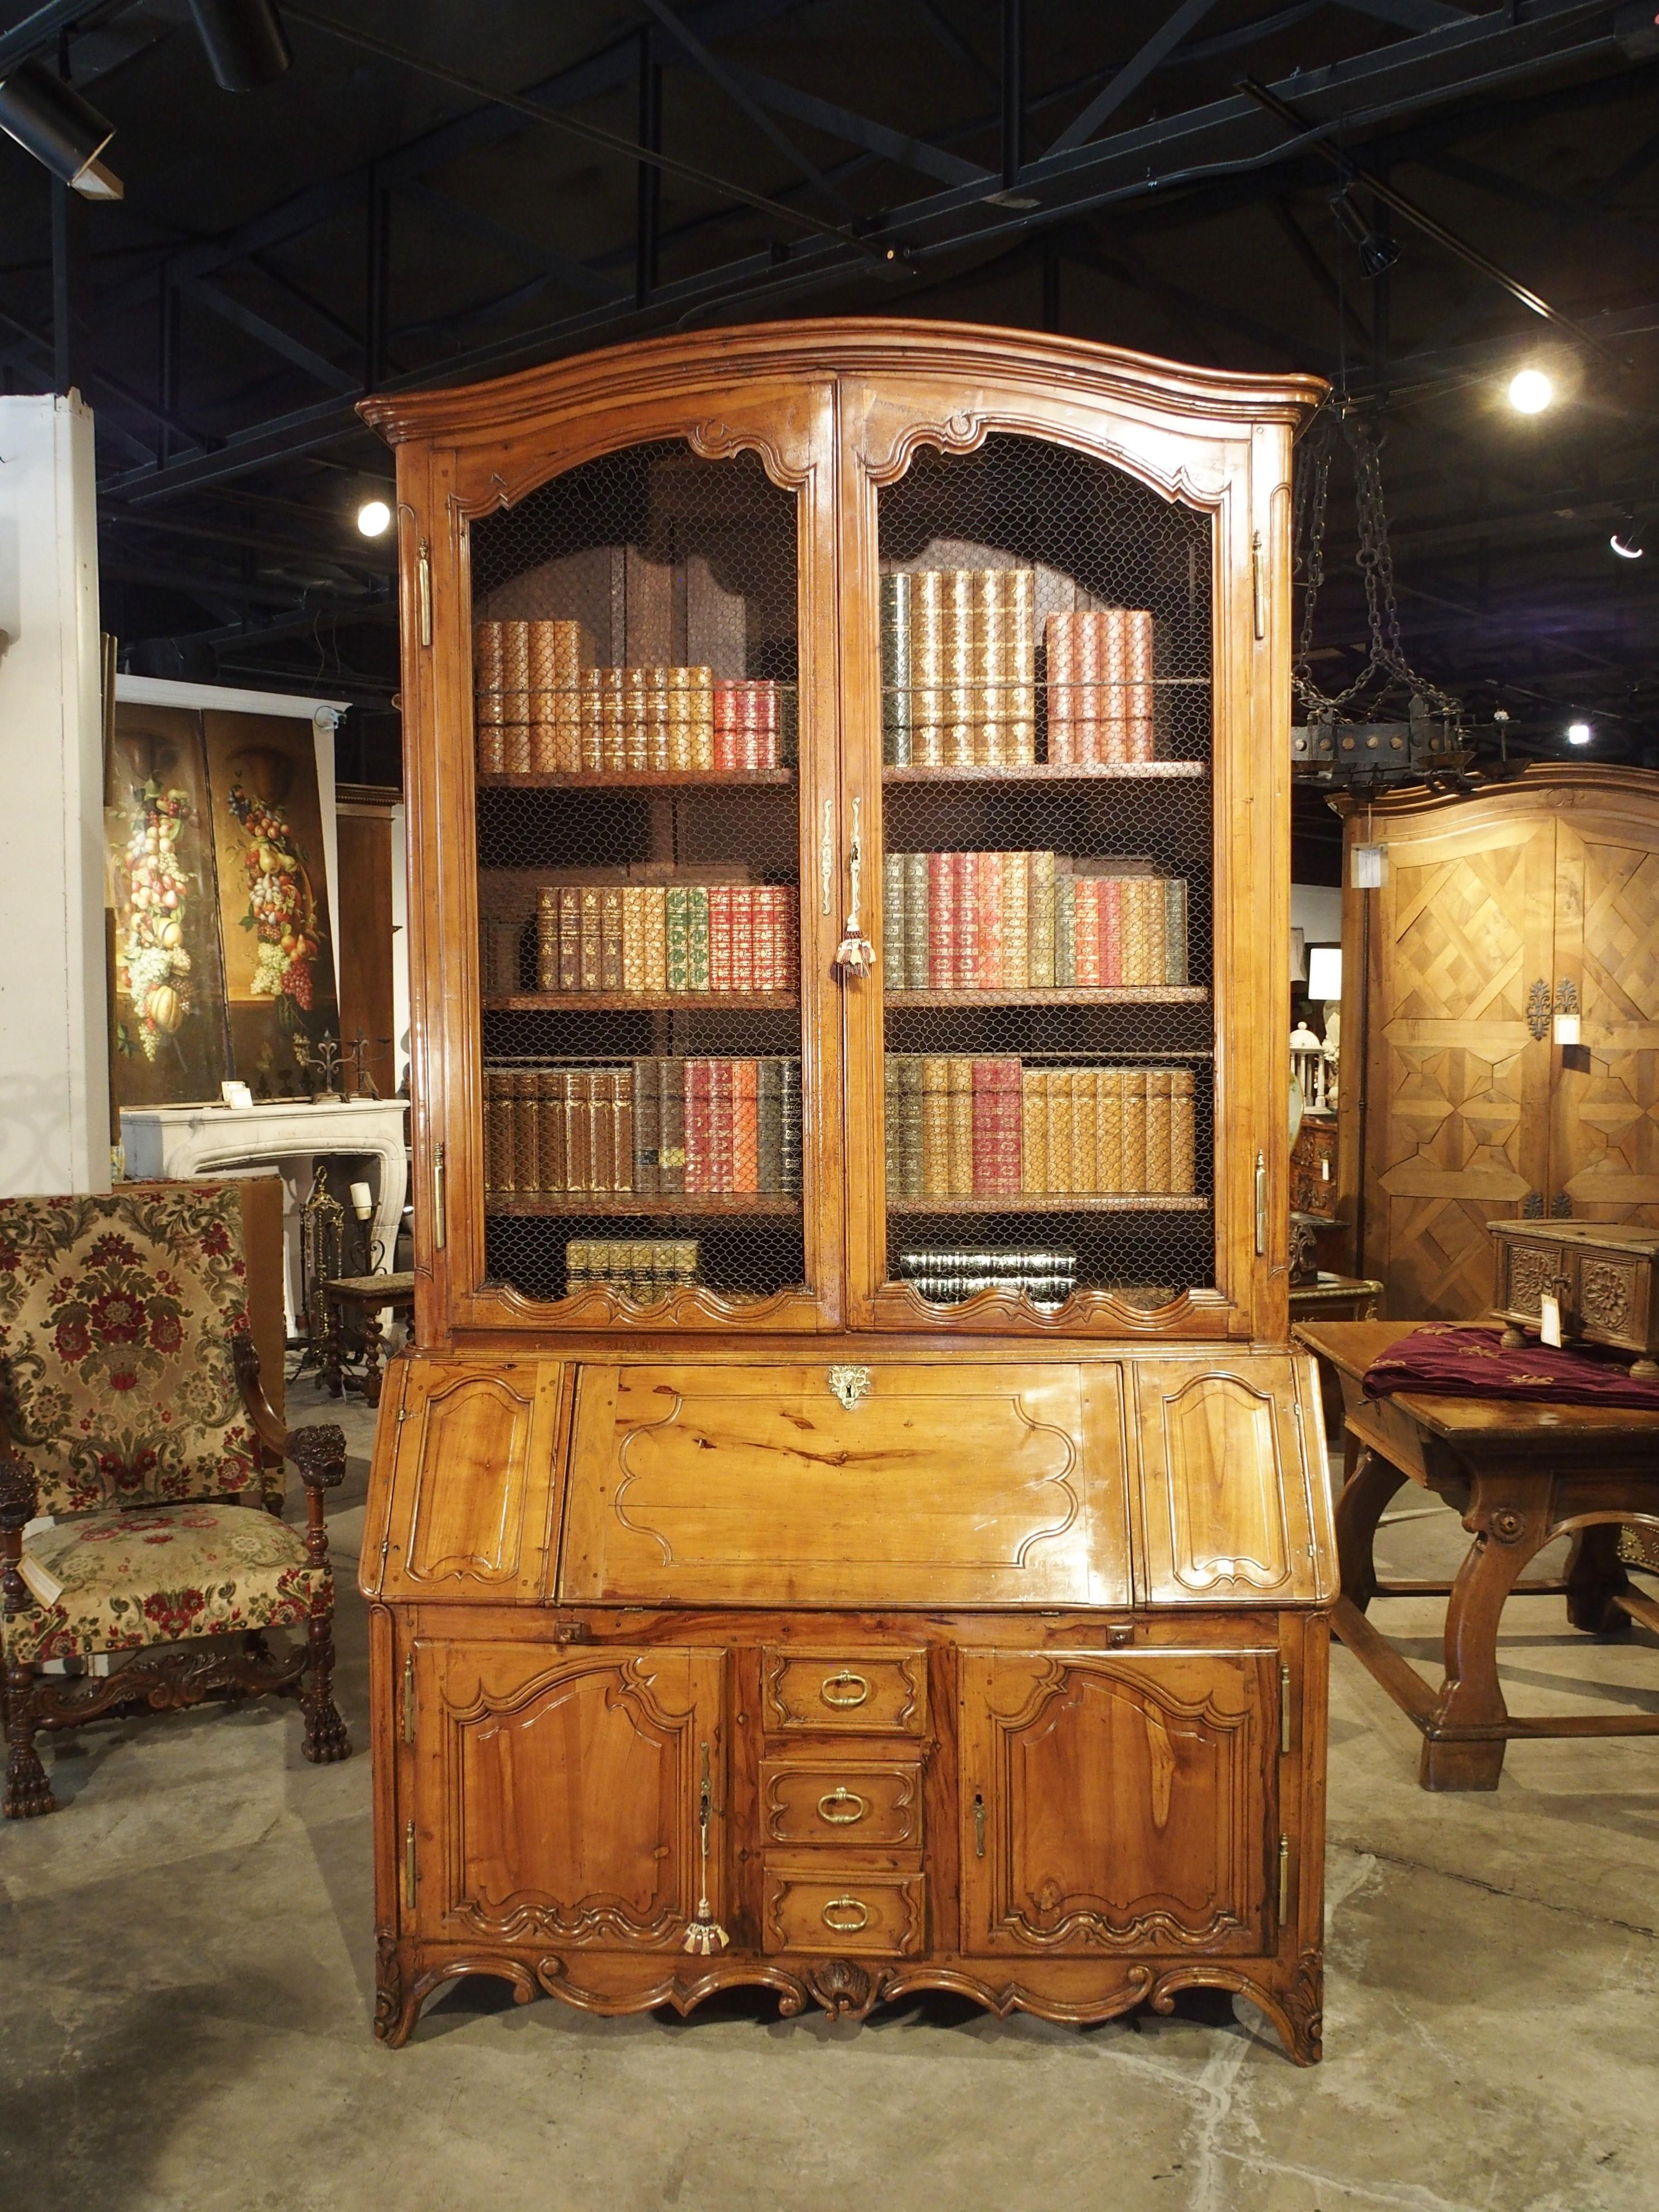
[843, 1909]
[877, 1693]
[857, 1808]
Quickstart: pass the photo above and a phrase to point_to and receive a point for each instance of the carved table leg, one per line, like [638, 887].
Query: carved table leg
[1363, 1500]
[1509, 1520]
[372, 1334]
[1595, 1574]
[28, 1793]
[332, 1373]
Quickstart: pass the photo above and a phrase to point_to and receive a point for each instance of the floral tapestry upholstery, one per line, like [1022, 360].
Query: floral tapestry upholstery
[117, 1317]
[161, 1575]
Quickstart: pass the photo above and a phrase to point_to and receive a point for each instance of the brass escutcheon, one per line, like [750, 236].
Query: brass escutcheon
[844, 1906]
[831, 1806]
[856, 1688]
[849, 1385]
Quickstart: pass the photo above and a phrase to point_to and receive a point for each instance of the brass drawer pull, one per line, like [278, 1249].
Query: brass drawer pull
[837, 1912]
[844, 1689]
[833, 1804]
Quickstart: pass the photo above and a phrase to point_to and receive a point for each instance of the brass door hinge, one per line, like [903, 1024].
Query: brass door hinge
[1283, 1879]
[409, 1868]
[409, 1699]
[1285, 1710]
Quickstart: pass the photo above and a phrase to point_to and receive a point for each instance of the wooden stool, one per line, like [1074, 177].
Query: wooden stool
[1520, 1474]
[366, 1297]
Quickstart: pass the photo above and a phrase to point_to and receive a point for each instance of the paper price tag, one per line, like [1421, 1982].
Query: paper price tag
[1550, 1322]
[1370, 867]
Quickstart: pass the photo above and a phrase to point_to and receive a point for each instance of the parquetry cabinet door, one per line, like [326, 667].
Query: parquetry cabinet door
[560, 1793]
[1115, 1803]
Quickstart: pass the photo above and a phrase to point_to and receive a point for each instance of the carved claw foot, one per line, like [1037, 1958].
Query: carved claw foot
[325, 1740]
[28, 1793]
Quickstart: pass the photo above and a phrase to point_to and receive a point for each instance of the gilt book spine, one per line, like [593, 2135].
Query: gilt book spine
[670, 1125]
[918, 921]
[1182, 1147]
[990, 639]
[515, 696]
[892, 921]
[549, 1092]
[526, 1134]
[911, 1183]
[1087, 931]
[959, 1081]
[633, 945]
[1014, 973]
[896, 671]
[1175, 930]
[745, 1126]
[653, 902]
[702, 716]
[987, 975]
[611, 937]
[590, 941]
[1085, 1129]
[679, 739]
[699, 1111]
[1062, 1162]
[647, 1125]
[1109, 1130]
[725, 737]
[1141, 694]
[743, 939]
[1134, 1129]
[489, 711]
[1114, 678]
[1065, 907]
[1090, 672]
[769, 1122]
[927, 660]
[578, 1150]
[721, 1126]
[964, 894]
[1117, 941]
[719, 939]
[549, 967]
[1160, 1165]
[1059, 666]
[941, 922]
[656, 718]
[697, 937]
[892, 1109]
[1034, 1139]
[790, 1116]
[544, 696]
[622, 1129]
[1019, 699]
[1040, 923]
[935, 1124]
[677, 940]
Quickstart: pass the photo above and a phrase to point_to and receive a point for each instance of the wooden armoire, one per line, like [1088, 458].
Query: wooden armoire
[852, 1520]
[1501, 910]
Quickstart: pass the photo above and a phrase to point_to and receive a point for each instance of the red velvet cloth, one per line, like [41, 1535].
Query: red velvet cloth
[1449, 1361]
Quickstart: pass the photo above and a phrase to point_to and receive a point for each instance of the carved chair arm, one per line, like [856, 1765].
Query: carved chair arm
[319, 1451]
[18, 1498]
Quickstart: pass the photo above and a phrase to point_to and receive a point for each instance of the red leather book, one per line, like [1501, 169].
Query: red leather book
[748, 726]
[698, 1108]
[1087, 895]
[998, 1114]
[987, 922]
[964, 883]
[941, 922]
[725, 722]
[743, 938]
[1111, 930]
[745, 1125]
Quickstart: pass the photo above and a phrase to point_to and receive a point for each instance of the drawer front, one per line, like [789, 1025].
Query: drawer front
[868, 1693]
[855, 1807]
[814, 1909]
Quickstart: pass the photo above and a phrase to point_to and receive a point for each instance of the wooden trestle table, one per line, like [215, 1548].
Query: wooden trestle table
[1519, 1475]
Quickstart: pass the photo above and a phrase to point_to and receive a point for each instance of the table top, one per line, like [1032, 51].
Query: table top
[1324, 1285]
[387, 1287]
[1352, 1345]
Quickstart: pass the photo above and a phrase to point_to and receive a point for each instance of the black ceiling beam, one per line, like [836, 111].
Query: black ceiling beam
[272, 337]
[1127, 80]
[1566, 215]
[112, 517]
[563, 268]
[860, 130]
[42, 29]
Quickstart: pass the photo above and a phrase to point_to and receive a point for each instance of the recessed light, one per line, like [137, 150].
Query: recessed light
[1530, 392]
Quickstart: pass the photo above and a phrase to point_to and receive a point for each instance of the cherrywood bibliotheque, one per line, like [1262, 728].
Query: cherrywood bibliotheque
[852, 1520]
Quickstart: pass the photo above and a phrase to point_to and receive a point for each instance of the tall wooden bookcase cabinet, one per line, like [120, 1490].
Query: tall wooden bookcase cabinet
[852, 1520]
[1501, 910]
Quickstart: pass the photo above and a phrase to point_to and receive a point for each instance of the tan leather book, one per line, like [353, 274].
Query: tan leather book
[550, 1112]
[515, 696]
[1182, 1148]
[1141, 694]
[1033, 1133]
[1109, 1130]
[935, 1124]
[1114, 680]
[653, 936]
[960, 1087]
[526, 1133]
[489, 708]
[927, 665]
[1086, 1107]
[543, 696]
[1061, 1161]
[960, 667]
[1134, 1128]
[1159, 1165]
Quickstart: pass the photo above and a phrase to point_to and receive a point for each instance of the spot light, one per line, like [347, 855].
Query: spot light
[1530, 392]
[1579, 733]
[374, 517]
[1626, 540]
[49, 118]
[246, 46]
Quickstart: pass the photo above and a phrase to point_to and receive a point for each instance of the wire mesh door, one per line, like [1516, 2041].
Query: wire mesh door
[1046, 885]
[637, 728]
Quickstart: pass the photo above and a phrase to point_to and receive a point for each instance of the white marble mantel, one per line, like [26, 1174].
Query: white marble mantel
[173, 1143]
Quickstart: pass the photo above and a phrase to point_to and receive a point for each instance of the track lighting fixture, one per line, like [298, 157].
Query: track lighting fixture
[246, 46]
[1377, 254]
[48, 118]
[1626, 540]
[1530, 392]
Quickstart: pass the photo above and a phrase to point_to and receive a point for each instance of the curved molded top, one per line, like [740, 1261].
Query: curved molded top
[1583, 780]
[839, 346]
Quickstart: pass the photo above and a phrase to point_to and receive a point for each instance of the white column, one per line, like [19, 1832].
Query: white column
[54, 1034]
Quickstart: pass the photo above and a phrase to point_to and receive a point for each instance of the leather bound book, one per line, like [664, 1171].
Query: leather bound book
[1140, 723]
[515, 697]
[613, 744]
[647, 1123]
[590, 720]
[573, 1108]
[892, 921]
[544, 696]
[569, 976]
[996, 1125]
[1159, 1165]
[1040, 923]
[549, 1115]
[679, 719]
[961, 690]
[721, 1126]
[965, 900]
[788, 937]
[769, 720]
[1088, 931]
[492, 1164]
[959, 1081]
[1116, 930]
[488, 708]
[1134, 1128]
[768, 1124]
[1090, 664]
[526, 1133]
[570, 655]
[770, 930]
[602, 1129]
[935, 1124]
[697, 937]
[791, 1147]
[622, 1129]
[1020, 698]
[1061, 1159]
[745, 1126]
[1014, 969]
[590, 941]
[633, 720]
[699, 1110]
[611, 937]
[577, 1265]
[928, 660]
[633, 941]
[990, 639]
[918, 921]
[1175, 930]
[653, 948]
[726, 720]
[1010, 1131]
[910, 1183]
[1108, 1129]
[656, 718]
[941, 922]
[742, 905]
[896, 678]
[1182, 1147]
[1153, 902]
[1064, 932]
[751, 718]
[1060, 700]
[677, 939]
[670, 1125]
[987, 975]
[1085, 1121]
[1034, 1134]
[1115, 678]
[702, 716]
[892, 1110]
[719, 939]
[547, 942]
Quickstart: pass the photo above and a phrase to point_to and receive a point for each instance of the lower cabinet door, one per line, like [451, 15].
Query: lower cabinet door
[571, 1796]
[1117, 1803]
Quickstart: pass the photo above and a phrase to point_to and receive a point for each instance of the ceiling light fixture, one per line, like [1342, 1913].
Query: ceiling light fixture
[1579, 733]
[246, 46]
[1377, 254]
[1530, 392]
[49, 118]
[1626, 540]
[374, 517]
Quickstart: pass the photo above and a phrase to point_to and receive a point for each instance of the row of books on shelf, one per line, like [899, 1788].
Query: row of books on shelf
[539, 708]
[1047, 1274]
[989, 1125]
[960, 679]
[660, 1127]
[640, 1269]
[1029, 921]
[649, 939]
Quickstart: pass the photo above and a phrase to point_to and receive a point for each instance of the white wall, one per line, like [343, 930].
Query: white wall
[54, 1033]
[1316, 911]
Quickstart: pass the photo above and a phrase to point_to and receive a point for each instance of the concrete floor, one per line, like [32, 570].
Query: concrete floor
[185, 2003]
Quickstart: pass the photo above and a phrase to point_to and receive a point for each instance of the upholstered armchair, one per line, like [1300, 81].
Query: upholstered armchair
[132, 1421]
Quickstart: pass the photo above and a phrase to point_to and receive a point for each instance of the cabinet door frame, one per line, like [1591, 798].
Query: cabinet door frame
[442, 486]
[1239, 471]
[991, 1923]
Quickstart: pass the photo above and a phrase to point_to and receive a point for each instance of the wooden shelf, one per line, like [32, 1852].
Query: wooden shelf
[639, 1002]
[1056, 1202]
[638, 779]
[1084, 994]
[1160, 771]
[623, 1205]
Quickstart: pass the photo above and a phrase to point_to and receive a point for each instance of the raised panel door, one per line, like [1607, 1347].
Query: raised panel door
[1116, 1803]
[561, 1796]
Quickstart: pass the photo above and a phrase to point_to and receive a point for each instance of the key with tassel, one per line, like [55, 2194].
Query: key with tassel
[705, 1934]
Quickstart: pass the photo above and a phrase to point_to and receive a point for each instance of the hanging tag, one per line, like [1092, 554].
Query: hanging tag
[1370, 867]
[1566, 1029]
[1549, 1330]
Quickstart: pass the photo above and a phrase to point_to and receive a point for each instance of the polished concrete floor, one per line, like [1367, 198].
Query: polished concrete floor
[184, 2003]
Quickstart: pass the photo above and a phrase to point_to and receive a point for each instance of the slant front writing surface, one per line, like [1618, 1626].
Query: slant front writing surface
[756, 1486]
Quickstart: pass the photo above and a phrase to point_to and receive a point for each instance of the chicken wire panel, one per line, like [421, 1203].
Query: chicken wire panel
[1046, 888]
[636, 668]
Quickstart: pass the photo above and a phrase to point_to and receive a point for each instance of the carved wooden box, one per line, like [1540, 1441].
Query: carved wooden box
[1603, 1277]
